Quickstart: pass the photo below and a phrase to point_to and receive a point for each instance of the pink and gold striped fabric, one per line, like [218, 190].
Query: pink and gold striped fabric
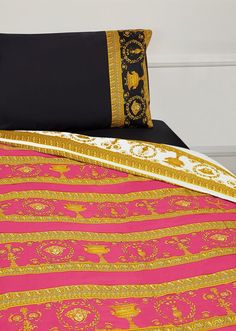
[83, 247]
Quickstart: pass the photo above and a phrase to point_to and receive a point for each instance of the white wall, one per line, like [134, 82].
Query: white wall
[192, 56]
[198, 102]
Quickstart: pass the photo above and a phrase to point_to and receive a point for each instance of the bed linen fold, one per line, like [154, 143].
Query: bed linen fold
[109, 234]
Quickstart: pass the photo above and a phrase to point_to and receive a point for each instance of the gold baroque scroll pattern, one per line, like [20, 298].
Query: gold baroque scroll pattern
[205, 306]
[121, 237]
[133, 45]
[116, 291]
[80, 315]
[85, 208]
[128, 77]
[60, 172]
[102, 265]
[173, 163]
[66, 255]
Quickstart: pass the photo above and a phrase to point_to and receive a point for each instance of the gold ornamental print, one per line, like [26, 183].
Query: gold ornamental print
[128, 77]
[174, 165]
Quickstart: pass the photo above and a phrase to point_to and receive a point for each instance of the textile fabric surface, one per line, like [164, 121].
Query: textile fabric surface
[88, 247]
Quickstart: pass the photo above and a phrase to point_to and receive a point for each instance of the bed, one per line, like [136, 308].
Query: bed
[160, 133]
[92, 241]
[108, 222]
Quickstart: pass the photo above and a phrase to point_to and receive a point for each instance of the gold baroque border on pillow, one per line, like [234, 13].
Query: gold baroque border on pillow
[130, 100]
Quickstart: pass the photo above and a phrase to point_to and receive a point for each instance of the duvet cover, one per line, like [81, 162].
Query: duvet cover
[110, 234]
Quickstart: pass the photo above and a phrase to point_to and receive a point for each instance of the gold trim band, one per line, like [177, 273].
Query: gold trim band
[70, 181]
[148, 35]
[18, 160]
[14, 299]
[115, 76]
[147, 96]
[109, 220]
[115, 267]
[116, 237]
[100, 197]
[67, 147]
[212, 323]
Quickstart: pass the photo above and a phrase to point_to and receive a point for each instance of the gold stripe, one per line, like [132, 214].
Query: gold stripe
[98, 220]
[212, 323]
[119, 160]
[23, 160]
[208, 324]
[14, 299]
[100, 197]
[115, 267]
[147, 96]
[147, 35]
[36, 160]
[72, 181]
[116, 237]
[92, 150]
[115, 77]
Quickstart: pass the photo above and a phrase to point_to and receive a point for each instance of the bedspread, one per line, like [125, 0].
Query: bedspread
[109, 234]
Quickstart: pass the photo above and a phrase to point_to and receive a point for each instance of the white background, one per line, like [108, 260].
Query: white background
[192, 56]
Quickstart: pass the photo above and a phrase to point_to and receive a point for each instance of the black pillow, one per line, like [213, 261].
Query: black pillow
[71, 81]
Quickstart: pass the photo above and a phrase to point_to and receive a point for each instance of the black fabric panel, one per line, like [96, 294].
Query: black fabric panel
[54, 81]
[160, 133]
[133, 60]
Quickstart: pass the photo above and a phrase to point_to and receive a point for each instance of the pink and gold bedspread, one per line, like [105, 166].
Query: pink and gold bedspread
[87, 247]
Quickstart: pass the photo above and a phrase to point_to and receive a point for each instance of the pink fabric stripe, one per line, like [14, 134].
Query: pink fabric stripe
[37, 281]
[139, 226]
[119, 188]
[23, 152]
